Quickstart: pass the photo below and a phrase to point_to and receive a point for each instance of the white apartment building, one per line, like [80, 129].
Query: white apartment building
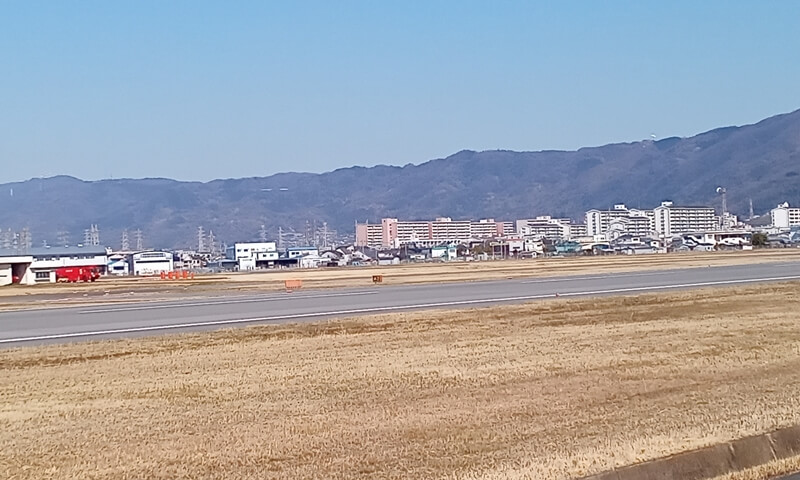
[577, 230]
[784, 216]
[545, 227]
[674, 220]
[598, 222]
[630, 225]
[392, 232]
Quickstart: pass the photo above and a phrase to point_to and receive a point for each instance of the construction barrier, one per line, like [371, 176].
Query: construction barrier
[177, 275]
[293, 285]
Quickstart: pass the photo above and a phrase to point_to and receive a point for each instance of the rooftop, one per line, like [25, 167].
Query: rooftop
[53, 251]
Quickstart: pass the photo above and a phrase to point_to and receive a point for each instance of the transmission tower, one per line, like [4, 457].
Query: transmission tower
[63, 238]
[6, 239]
[139, 240]
[201, 239]
[212, 243]
[262, 233]
[125, 244]
[91, 236]
[25, 240]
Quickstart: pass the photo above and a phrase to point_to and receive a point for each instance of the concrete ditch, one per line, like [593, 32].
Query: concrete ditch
[713, 461]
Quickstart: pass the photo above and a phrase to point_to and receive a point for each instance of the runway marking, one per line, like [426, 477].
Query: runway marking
[249, 299]
[357, 311]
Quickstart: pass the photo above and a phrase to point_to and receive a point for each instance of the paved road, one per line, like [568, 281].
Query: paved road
[80, 323]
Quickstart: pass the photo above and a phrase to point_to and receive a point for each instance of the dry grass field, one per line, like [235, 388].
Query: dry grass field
[550, 390]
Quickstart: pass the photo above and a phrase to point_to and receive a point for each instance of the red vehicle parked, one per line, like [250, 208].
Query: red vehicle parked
[77, 274]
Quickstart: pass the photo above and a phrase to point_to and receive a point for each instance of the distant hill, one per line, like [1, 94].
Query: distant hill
[760, 161]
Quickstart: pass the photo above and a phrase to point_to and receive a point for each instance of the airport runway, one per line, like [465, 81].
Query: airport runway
[56, 325]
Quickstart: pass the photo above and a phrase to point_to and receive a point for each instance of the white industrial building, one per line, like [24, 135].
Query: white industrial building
[39, 265]
[784, 216]
[675, 220]
[15, 268]
[252, 255]
[151, 263]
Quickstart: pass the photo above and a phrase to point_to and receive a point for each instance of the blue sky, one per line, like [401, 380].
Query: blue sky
[199, 90]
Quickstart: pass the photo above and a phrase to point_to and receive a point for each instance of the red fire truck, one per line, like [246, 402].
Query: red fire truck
[77, 274]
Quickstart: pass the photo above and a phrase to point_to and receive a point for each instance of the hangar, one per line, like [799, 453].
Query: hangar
[15, 268]
[39, 265]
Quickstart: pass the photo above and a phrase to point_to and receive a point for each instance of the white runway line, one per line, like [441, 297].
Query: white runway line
[358, 311]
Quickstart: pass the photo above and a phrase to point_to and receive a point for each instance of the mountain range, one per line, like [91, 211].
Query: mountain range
[759, 162]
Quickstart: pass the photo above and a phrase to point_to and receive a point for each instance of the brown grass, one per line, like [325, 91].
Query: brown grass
[551, 390]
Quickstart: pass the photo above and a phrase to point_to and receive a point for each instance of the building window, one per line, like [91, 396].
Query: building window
[42, 275]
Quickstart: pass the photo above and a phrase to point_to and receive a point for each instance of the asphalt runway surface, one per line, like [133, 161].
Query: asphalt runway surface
[58, 325]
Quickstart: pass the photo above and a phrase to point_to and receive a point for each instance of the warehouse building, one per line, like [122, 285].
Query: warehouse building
[151, 263]
[39, 265]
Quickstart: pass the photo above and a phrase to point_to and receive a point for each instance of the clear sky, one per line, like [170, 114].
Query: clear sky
[197, 90]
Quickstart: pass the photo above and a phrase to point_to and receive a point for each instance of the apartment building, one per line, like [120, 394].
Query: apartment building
[784, 216]
[392, 232]
[675, 220]
[598, 222]
[637, 225]
[545, 226]
[577, 230]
